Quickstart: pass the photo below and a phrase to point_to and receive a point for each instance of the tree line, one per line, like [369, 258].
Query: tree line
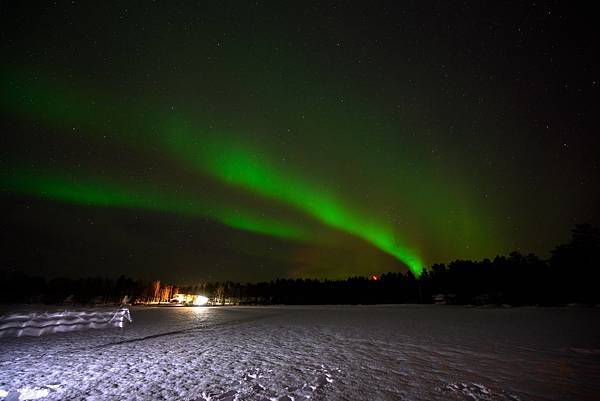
[570, 275]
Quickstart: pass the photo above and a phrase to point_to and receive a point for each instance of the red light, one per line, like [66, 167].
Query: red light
[374, 277]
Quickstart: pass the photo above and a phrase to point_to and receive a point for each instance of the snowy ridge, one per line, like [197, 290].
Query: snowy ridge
[36, 324]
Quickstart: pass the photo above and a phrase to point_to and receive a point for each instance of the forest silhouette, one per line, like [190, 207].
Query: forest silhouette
[569, 276]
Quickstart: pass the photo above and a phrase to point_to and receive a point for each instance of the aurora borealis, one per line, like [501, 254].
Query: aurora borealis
[254, 141]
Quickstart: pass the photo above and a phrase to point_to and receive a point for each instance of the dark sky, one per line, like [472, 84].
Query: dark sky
[251, 140]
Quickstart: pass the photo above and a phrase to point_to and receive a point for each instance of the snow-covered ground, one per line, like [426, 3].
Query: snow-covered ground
[322, 353]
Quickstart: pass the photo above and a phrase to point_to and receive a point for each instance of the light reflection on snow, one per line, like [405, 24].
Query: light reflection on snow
[201, 310]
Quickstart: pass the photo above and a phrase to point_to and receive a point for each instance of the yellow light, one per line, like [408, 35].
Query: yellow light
[200, 300]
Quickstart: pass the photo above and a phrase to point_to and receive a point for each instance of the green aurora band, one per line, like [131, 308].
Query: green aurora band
[95, 192]
[229, 161]
[240, 166]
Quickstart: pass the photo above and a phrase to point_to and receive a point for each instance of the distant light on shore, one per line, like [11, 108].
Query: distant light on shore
[200, 300]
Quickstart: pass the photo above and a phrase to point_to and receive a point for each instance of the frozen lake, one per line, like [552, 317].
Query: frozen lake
[315, 352]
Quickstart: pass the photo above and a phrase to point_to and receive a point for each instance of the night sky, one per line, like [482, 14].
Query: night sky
[250, 140]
